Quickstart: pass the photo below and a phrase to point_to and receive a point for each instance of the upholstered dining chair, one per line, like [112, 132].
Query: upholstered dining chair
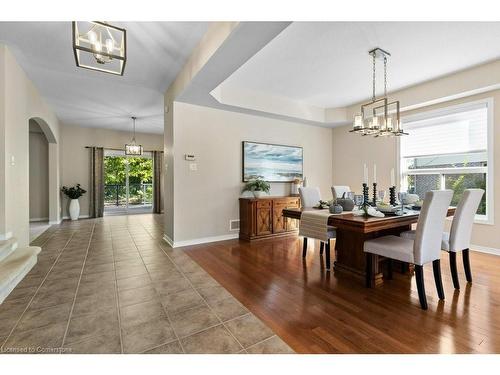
[309, 197]
[339, 190]
[425, 248]
[458, 239]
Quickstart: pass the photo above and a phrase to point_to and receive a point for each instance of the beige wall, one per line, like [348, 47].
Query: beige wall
[38, 177]
[215, 36]
[353, 150]
[206, 199]
[20, 102]
[75, 158]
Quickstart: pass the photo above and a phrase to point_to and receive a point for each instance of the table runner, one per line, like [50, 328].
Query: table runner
[314, 224]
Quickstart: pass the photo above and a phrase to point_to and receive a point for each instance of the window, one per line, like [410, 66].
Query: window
[450, 149]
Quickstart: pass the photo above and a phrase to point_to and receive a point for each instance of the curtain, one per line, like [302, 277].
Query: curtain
[157, 165]
[96, 191]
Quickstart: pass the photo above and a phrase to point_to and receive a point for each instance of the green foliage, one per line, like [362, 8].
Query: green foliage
[458, 183]
[115, 176]
[257, 185]
[140, 170]
[73, 192]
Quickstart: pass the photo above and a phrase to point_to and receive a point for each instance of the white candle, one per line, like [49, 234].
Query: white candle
[393, 182]
[365, 174]
[374, 173]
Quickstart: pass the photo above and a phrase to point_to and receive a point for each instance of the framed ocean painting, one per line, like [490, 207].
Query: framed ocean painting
[272, 163]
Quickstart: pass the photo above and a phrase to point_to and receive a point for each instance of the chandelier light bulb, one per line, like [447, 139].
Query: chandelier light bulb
[92, 36]
[358, 122]
[389, 124]
[98, 46]
[109, 45]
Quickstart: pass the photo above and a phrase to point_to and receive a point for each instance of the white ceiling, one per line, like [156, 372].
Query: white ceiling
[326, 64]
[156, 51]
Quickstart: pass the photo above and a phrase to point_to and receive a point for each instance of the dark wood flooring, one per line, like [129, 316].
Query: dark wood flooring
[316, 311]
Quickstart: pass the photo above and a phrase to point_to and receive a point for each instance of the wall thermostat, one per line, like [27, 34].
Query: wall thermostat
[189, 157]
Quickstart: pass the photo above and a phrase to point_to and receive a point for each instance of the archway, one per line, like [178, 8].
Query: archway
[43, 177]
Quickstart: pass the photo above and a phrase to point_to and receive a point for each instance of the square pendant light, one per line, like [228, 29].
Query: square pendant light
[100, 46]
[133, 149]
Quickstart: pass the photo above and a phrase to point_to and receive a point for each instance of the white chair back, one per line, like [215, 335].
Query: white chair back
[309, 196]
[338, 191]
[427, 244]
[461, 227]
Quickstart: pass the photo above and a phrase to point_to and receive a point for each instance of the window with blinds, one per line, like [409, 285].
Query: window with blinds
[447, 149]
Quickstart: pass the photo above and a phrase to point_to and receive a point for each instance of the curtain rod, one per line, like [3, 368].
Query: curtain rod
[119, 149]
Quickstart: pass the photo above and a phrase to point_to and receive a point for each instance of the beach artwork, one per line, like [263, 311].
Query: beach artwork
[272, 163]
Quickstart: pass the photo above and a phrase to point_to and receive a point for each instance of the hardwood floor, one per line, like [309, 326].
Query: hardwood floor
[316, 311]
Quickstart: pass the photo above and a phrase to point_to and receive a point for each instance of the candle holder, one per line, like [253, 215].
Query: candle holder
[366, 194]
[374, 204]
[392, 195]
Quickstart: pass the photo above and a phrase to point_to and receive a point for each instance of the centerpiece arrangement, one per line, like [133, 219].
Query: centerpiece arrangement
[73, 193]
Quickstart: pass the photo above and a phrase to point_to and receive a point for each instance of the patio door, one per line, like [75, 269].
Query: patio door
[128, 183]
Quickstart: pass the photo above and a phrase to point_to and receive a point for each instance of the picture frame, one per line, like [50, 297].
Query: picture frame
[271, 162]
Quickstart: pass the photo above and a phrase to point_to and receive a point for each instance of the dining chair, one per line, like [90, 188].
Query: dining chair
[425, 248]
[458, 239]
[339, 190]
[309, 197]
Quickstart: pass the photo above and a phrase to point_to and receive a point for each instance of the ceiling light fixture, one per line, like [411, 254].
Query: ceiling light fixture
[132, 148]
[379, 117]
[100, 46]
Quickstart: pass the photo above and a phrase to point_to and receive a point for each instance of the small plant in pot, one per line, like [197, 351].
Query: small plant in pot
[73, 193]
[258, 187]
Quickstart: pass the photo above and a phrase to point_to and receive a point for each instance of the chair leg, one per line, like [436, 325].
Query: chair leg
[468, 273]
[321, 246]
[436, 267]
[389, 268]
[419, 276]
[453, 268]
[368, 270]
[327, 255]
[304, 248]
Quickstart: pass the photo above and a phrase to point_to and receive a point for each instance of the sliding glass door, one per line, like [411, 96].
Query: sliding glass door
[128, 183]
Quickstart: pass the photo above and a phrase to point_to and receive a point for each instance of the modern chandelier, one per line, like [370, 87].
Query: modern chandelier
[379, 117]
[100, 46]
[132, 148]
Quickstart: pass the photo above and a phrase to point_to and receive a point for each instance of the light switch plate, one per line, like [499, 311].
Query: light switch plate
[193, 166]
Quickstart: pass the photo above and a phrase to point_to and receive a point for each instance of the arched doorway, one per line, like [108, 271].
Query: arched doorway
[43, 177]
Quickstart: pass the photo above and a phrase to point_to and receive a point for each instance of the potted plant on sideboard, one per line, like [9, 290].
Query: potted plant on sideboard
[258, 187]
[73, 193]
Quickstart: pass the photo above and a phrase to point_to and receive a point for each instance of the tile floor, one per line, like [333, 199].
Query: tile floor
[111, 285]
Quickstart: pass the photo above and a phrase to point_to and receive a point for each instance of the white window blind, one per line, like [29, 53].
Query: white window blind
[460, 132]
[451, 148]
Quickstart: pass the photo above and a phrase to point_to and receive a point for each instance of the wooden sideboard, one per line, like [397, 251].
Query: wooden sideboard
[263, 217]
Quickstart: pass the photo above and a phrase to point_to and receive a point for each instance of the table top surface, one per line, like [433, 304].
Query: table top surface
[347, 220]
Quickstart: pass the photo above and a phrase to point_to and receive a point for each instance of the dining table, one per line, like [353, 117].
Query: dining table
[351, 233]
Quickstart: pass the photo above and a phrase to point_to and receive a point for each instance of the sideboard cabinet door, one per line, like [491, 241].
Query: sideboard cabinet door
[264, 218]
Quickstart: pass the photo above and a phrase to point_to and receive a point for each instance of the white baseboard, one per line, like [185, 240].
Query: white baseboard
[35, 219]
[484, 249]
[198, 241]
[80, 217]
[168, 240]
[55, 222]
[5, 236]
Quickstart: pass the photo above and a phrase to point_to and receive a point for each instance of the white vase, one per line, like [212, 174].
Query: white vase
[258, 193]
[74, 209]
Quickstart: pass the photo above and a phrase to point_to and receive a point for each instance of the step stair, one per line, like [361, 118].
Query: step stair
[7, 247]
[15, 263]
